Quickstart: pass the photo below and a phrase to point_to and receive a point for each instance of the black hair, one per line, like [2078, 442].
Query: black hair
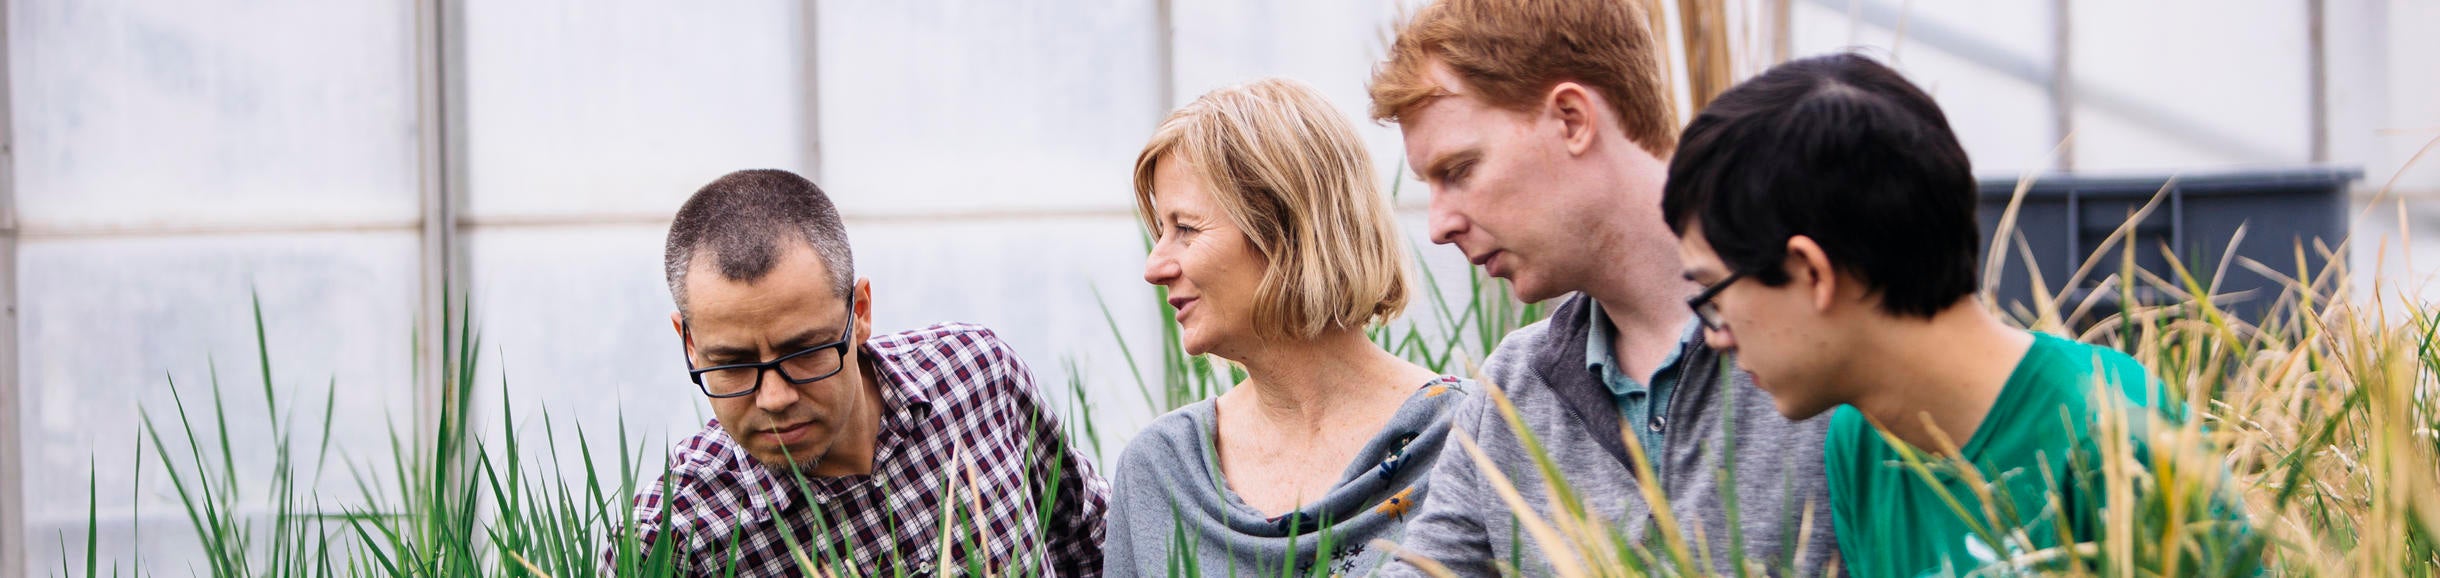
[745, 220]
[1842, 150]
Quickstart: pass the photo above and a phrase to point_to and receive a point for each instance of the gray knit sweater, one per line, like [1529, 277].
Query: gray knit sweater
[1723, 441]
[1170, 506]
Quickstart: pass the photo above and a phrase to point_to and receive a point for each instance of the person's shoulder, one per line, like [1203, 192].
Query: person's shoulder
[1516, 352]
[701, 493]
[953, 362]
[1525, 341]
[1172, 439]
[2093, 368]
[1446, 385]
[1522, 350]
[706, 454]
[1444, 395]
[706, 466]
[1850, 435]
[949, 341]
[1850, 454]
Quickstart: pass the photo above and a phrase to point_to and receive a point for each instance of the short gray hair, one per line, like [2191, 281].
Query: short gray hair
[743, 222]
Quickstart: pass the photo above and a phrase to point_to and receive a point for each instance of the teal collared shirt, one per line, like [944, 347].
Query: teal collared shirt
[1643, 408]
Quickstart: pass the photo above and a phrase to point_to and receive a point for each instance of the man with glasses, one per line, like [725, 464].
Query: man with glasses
[855, 453]
[1543, 129]
[1831, 212]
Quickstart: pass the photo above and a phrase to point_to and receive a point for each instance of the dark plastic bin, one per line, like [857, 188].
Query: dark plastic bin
[2065, 219]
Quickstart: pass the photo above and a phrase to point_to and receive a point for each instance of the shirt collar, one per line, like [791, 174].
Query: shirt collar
[1600, 358]
[903, 405]
[903, 388]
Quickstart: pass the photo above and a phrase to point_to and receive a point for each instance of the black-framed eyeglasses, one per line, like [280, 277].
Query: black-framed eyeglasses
[802, 367]
[1707, 311]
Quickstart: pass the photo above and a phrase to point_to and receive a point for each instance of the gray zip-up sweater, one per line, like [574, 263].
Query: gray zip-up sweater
[1713, 429]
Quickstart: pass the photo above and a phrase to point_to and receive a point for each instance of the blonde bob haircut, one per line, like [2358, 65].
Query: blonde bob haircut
[1287, 169]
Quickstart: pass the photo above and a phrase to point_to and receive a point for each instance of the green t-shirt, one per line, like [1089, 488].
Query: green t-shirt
[1890, 522]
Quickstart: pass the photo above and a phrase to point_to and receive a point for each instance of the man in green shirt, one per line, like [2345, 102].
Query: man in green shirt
[1829, 212]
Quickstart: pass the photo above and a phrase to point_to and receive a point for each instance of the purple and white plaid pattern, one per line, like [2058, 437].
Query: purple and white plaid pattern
[963, 432]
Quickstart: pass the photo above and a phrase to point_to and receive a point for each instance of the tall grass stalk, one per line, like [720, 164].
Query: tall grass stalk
[2323, 412]
[451, 506]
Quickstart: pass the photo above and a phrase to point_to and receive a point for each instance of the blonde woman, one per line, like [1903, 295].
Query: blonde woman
[1278, 251]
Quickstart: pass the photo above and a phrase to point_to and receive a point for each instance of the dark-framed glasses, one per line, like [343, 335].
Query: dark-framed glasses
[802, 367]
[1707, 311]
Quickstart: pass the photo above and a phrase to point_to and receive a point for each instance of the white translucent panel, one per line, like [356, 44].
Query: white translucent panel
[105, 325]
[2412, 80]
[576, 319]
[1332, 46]
[1978, 72]
[186, 113]
[2002, 29]
[626, 107]
[2190, 84]
[2006, 125]
[1033, 282]
[575, 323]
[2359, 86]
[951, 106]
[579, 318]
[1326, 45]
[2017, 29]
[2389, 263]
[2159, 86]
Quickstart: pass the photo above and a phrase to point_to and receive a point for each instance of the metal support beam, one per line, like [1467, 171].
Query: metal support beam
[809, 73]
[1165, 57]
[12, 416]
[2169, 122]
[2062, 84]
[441, 178]
[2317, 83]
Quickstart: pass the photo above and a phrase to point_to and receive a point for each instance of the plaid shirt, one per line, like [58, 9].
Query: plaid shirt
[963, 431]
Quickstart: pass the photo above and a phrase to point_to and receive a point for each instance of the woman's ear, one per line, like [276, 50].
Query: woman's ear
[1810, 268]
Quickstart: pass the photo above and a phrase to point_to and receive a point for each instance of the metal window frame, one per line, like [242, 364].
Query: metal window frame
[2168, 122]
[440, 160]
[809, 71]
[1165, 56]
[13, 559]
[2062, 85]
[2317, 83]
[439, 59]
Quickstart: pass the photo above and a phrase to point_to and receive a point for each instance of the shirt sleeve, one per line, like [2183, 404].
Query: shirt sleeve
[643, 531]
[1073, 529]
